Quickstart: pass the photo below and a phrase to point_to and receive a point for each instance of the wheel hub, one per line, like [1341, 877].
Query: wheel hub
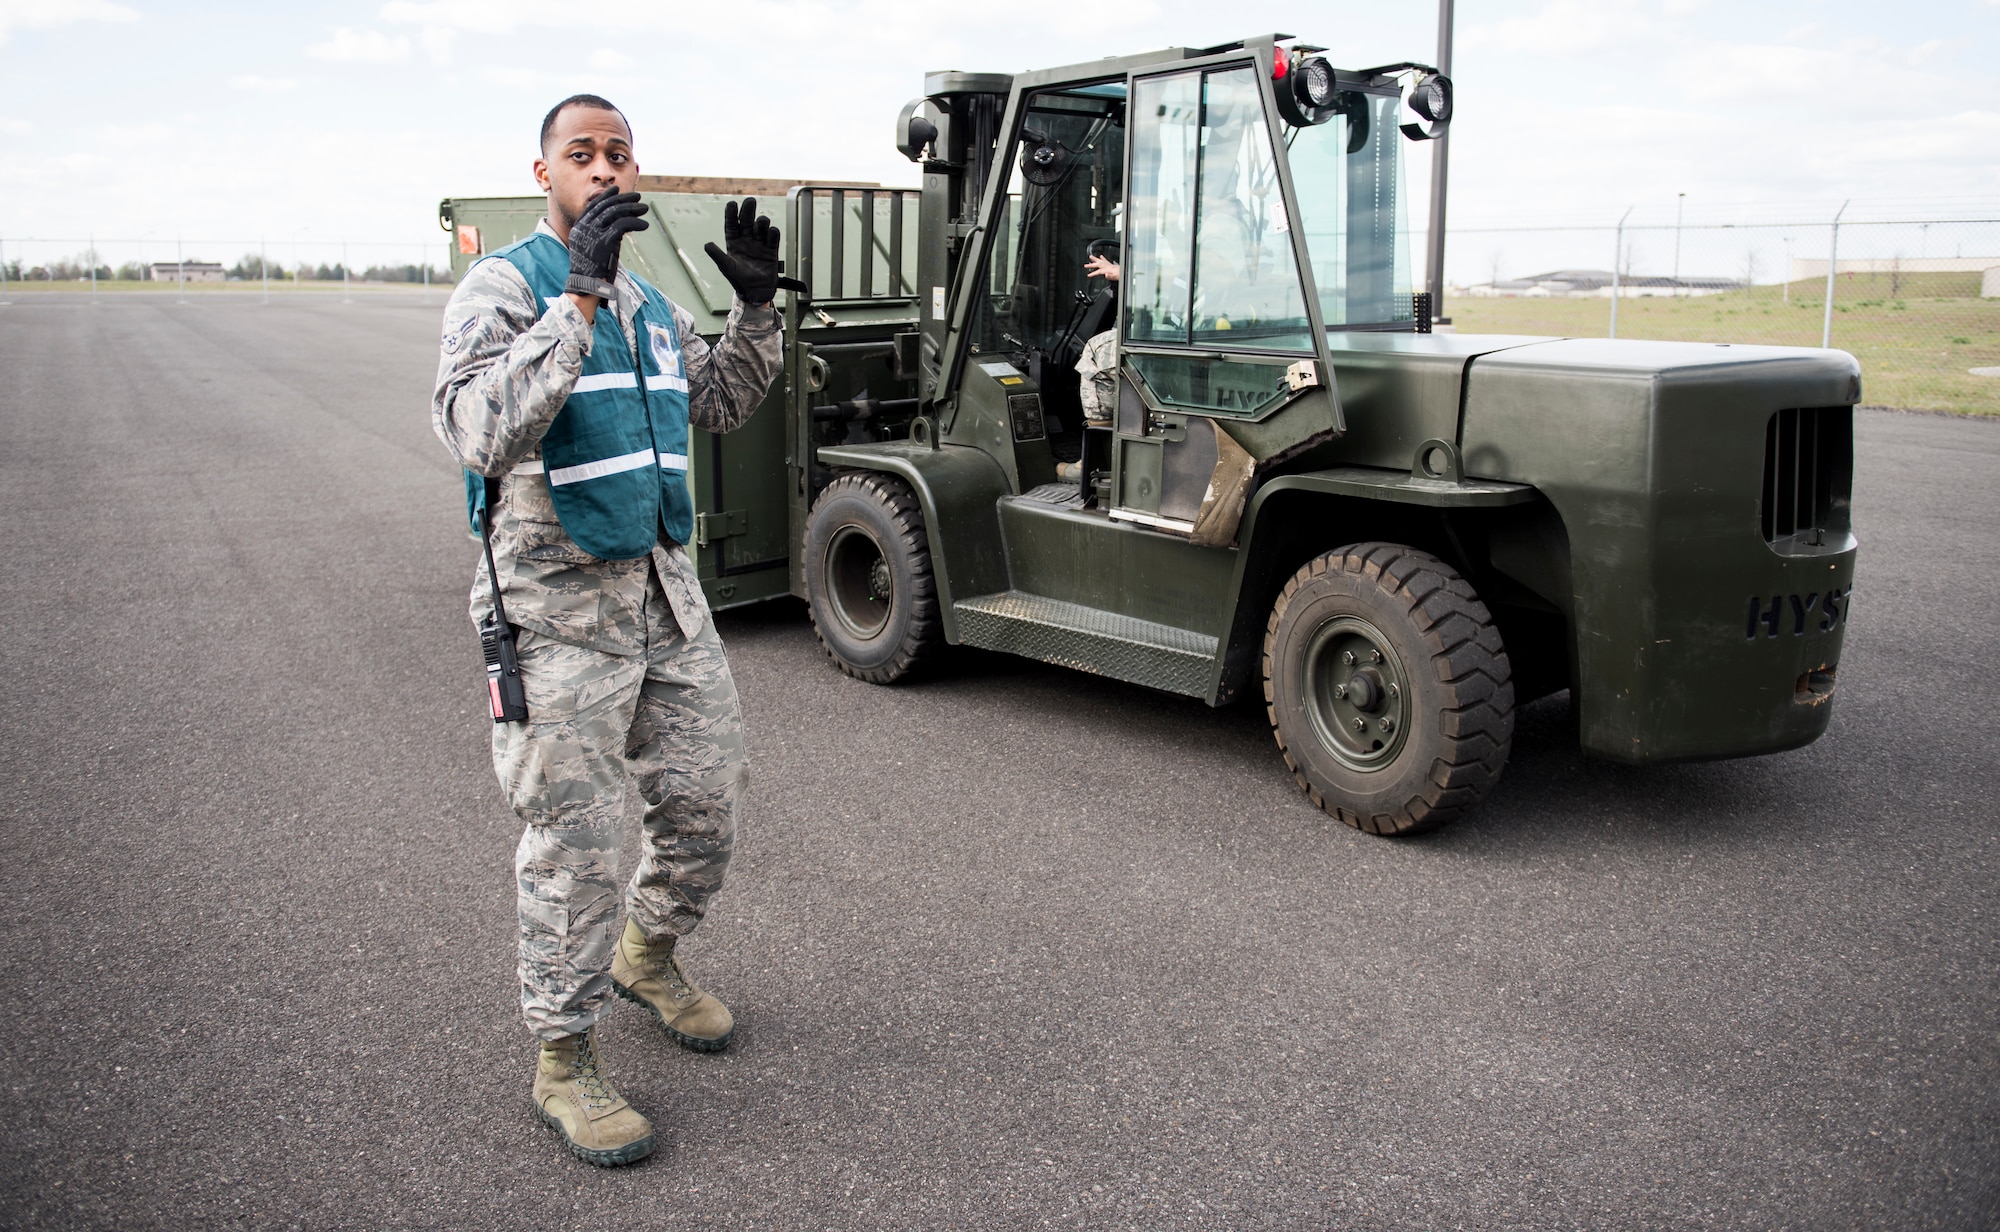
[1356, 693]
[860, 586]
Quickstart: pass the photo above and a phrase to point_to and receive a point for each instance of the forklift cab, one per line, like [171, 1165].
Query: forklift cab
[1242, 236]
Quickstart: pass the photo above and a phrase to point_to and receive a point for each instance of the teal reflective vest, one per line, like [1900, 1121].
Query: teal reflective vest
[616, 454]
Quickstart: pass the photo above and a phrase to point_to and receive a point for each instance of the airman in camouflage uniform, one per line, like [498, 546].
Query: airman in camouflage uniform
[623, 670]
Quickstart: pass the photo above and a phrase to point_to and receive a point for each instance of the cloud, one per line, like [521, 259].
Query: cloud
[361, 47]
[437, 43]
[48, 14]
[266, 85]
[15, 127]
[1564, 26]
[610, 61]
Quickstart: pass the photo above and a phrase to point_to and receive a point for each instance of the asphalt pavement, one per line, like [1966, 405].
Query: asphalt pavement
[1010, 947]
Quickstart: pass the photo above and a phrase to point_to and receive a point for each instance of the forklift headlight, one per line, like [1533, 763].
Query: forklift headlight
[1432, 99]
[1307, 93]
[1314, 83]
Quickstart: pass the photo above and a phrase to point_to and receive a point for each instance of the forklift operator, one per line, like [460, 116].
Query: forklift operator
[566, 388]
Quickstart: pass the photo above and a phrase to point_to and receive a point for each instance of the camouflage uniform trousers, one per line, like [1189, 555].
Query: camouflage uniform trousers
[1098, 366]
[670, 716]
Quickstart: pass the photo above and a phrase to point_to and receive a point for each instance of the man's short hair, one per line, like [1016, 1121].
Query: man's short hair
[578, 100]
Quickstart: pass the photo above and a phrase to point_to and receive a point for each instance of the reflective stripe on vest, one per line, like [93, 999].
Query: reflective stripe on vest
[669, 461]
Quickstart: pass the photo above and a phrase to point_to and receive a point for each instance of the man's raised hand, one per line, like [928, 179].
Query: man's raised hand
[751, 262]
[594, 239]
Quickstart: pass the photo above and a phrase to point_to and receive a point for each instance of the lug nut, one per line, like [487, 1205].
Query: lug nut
[1388, 724]
[1374, 656]
[1347, 657]
[1360, 724]
[1340, 690]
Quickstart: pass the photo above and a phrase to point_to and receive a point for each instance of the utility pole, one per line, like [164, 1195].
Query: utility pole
[1678, 205]
[1617, 259]
[1832, 264]
[1440, 149]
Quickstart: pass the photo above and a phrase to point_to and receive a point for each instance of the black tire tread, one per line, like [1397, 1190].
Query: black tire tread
[1469, 661]
[925, 631]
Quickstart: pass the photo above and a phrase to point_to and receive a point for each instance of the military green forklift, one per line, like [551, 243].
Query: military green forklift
[1274, 476]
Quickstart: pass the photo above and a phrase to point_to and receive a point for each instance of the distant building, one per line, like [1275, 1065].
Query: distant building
[1815, 267]
[192, 271]
[1587, 283]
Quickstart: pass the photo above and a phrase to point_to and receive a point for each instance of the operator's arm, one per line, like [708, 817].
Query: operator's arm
[728, 380]
[502, 373]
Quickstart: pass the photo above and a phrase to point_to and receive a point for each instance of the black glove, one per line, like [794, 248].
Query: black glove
[751, 264]
[594, 239]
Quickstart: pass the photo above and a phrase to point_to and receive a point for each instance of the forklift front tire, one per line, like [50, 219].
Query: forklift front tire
[1388, 688]
[868, 577]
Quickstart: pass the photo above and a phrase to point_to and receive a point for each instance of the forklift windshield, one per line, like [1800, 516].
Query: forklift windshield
[1348, 174]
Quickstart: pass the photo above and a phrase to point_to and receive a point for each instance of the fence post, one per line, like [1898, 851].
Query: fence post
[1832, 264]
[1679, 204]
[1617, 259]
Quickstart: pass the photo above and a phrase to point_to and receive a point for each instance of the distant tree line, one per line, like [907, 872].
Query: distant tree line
[251, 268]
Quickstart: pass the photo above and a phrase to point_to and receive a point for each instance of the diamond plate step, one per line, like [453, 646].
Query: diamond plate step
[1066, 495]
[1089, 639]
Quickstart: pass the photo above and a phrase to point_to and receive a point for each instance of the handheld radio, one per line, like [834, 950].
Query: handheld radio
[504, 688]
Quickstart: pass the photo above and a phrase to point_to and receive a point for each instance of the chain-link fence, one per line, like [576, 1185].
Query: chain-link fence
[1917, 302]
[190, 267]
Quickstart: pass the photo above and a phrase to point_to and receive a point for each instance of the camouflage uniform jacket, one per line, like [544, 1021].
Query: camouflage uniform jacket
[504, 370]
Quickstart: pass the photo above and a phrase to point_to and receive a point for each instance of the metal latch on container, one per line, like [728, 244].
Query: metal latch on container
[1302, 375]
[712, 527]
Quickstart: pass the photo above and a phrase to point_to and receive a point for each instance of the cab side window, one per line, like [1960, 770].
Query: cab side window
[1211, 258]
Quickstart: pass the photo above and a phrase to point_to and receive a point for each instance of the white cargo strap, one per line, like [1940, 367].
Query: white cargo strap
[607, 466]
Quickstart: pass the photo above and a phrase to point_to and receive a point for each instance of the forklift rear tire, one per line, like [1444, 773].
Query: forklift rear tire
[868, 577]
[1388, 688]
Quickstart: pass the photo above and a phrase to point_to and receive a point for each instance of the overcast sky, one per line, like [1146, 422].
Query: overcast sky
[316, 122]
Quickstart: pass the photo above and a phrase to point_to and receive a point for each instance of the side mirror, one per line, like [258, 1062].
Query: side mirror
[914, 132]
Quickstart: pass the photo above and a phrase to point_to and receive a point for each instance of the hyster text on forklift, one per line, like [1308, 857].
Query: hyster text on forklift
[1291, 485]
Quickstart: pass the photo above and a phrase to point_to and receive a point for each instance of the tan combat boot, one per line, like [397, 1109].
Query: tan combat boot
[574, 1098]
[647, 973]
